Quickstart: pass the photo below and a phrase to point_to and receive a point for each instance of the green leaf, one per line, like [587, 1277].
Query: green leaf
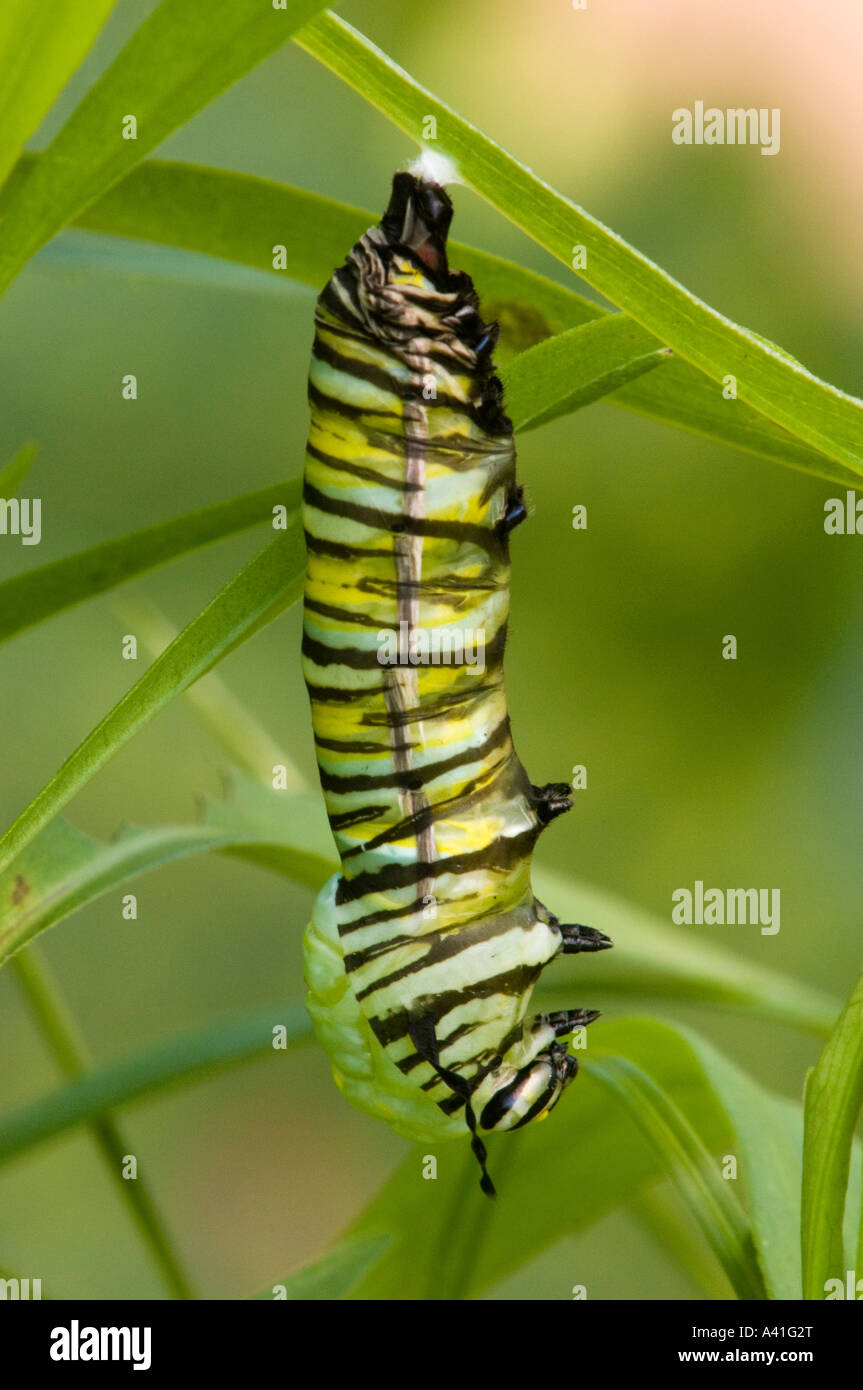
[649, 959]
[711, 1202]
[592, 1156]
[769, 380]
[262, 589]
[768, 1146]
[553, 1179]
[76, 254]
[288, 833]
[42, 42]
[241, 217]
[13, 473]
[652, 959]
[29, 598]
[679, 395]
[246, 742]
[191, 1056]
[858, 1262]
[64, 869]
[334, 1275]
[834, 1093]
[275, 830]
[662, 1215]
[182, 56]
[56, 1025]
[577, 367]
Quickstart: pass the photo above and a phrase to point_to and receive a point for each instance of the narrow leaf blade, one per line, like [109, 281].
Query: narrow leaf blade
[42, 42]
[656, 960]
[334, 1275]
[768, 1148]
[240, 218]
[173, 1062]
[711, 1202]
[13, 473]
[245, 741]
[288, 834]
[768, 379]
[834, 1093]
[262, 589]
[29, 598]
[182, 56]
[577, 367]
[554, 1179]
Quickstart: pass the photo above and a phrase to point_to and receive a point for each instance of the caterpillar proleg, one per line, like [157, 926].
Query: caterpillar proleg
[423, 950]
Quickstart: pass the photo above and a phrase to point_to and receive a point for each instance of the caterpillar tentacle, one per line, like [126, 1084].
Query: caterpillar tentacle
[423, 950]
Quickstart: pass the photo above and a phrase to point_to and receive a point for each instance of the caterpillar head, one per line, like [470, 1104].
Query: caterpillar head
[531, 1093]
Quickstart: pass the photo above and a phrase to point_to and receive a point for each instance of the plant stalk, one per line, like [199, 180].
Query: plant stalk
[61, 1035]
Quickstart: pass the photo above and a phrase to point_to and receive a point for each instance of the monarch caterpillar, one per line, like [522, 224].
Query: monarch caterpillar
[423, 950]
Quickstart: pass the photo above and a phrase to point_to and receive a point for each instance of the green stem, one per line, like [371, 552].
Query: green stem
[858, 1265]
[484, 1214]
[465, 1228]
[712, 1206]
[832, 1099]
[63, 1039]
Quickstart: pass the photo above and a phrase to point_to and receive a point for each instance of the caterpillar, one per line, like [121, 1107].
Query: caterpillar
[423, 950]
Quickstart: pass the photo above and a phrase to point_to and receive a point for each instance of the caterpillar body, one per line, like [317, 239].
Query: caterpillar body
[423, 950]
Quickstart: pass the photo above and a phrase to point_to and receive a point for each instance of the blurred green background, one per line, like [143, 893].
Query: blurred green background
[739, 773]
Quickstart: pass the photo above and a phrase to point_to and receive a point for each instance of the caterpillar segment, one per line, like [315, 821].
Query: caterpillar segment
[423, 950]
